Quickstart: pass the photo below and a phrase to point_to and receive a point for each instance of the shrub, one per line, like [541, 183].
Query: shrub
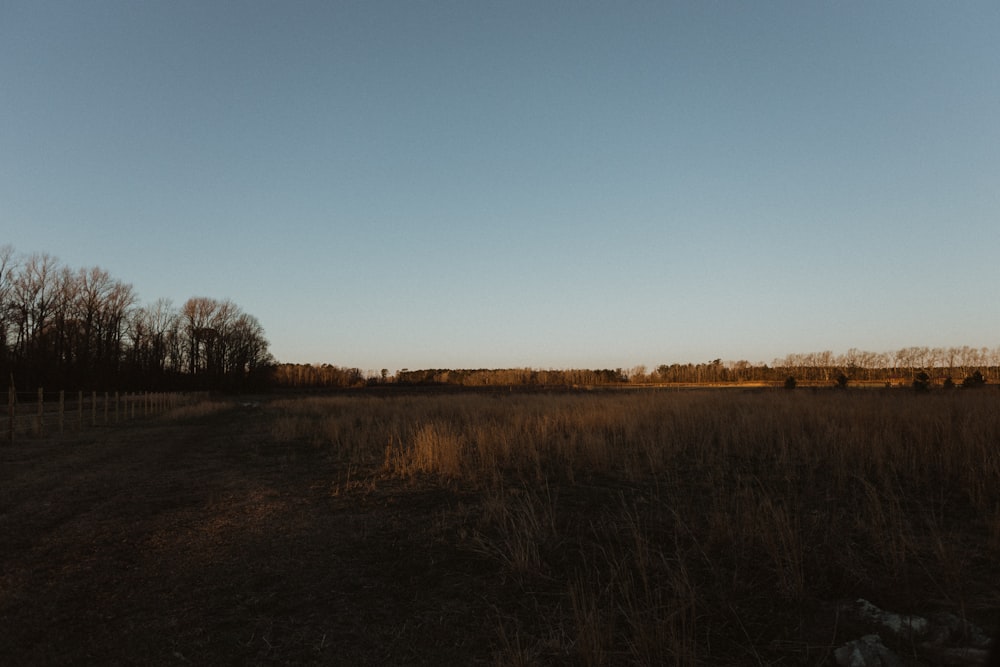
[974, 381]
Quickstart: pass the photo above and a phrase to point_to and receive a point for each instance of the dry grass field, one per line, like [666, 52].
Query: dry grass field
[693, 527]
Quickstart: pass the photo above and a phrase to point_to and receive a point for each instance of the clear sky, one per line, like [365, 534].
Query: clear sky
[420, 184]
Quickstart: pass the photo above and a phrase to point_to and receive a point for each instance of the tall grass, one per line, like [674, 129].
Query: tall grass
[670, 526]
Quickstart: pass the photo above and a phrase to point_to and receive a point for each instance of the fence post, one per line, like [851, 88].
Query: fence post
[41, 409]
[11, 401]
[93, 407]
[116, 407]
[105, 408]
[62, 411]
[79, 410]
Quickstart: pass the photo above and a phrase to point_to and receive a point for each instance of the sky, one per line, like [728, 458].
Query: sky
[419, 184]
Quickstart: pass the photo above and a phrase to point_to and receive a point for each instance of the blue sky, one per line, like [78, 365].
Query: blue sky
[547, 184]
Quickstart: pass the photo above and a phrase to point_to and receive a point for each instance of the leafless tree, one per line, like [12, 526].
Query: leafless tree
[35, 291]
[196, 314]
[82, 328]
[7, 272]
[153, 334]
[221, 341]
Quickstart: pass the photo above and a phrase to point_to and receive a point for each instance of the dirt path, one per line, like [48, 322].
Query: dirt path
[198, 542]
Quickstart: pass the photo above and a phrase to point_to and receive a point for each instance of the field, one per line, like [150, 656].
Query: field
[697, 527]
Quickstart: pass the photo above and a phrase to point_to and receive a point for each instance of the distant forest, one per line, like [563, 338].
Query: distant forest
[69, 329]
[81, 329]
[945, 367]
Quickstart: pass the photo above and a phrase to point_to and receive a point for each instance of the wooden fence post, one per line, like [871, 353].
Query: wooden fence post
[79, 410]
[105, 408]
[41, 409]
[116, 407]
[11, 401]
[93, 408]
[62, 410]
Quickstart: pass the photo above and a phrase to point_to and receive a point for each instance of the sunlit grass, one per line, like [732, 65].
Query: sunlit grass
[197, 408]
[659, 522]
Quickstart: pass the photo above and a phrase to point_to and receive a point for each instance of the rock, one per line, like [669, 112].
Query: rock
[944, 638]
[869, 651]
[898, 624]
[947, 628]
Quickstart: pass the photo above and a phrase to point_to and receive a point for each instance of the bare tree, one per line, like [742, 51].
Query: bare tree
[196, 314]
[247, 346]
[91, 291]
[153, 333]
[7, 274]
[35, 292]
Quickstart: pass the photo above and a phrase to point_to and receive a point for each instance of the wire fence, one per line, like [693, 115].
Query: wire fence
[40, 413]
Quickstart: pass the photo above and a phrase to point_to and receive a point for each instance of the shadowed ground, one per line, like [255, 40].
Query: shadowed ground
[197, 542]
[230, 537]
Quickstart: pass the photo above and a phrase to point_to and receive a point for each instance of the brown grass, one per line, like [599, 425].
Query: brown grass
[689, 527]
[697, 527]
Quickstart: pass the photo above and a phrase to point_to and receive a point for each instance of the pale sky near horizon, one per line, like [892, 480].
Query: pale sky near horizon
[546, 184]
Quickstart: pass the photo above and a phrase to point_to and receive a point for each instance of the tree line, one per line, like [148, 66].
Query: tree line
[899, 367]
[84, 329]
[946, 367]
